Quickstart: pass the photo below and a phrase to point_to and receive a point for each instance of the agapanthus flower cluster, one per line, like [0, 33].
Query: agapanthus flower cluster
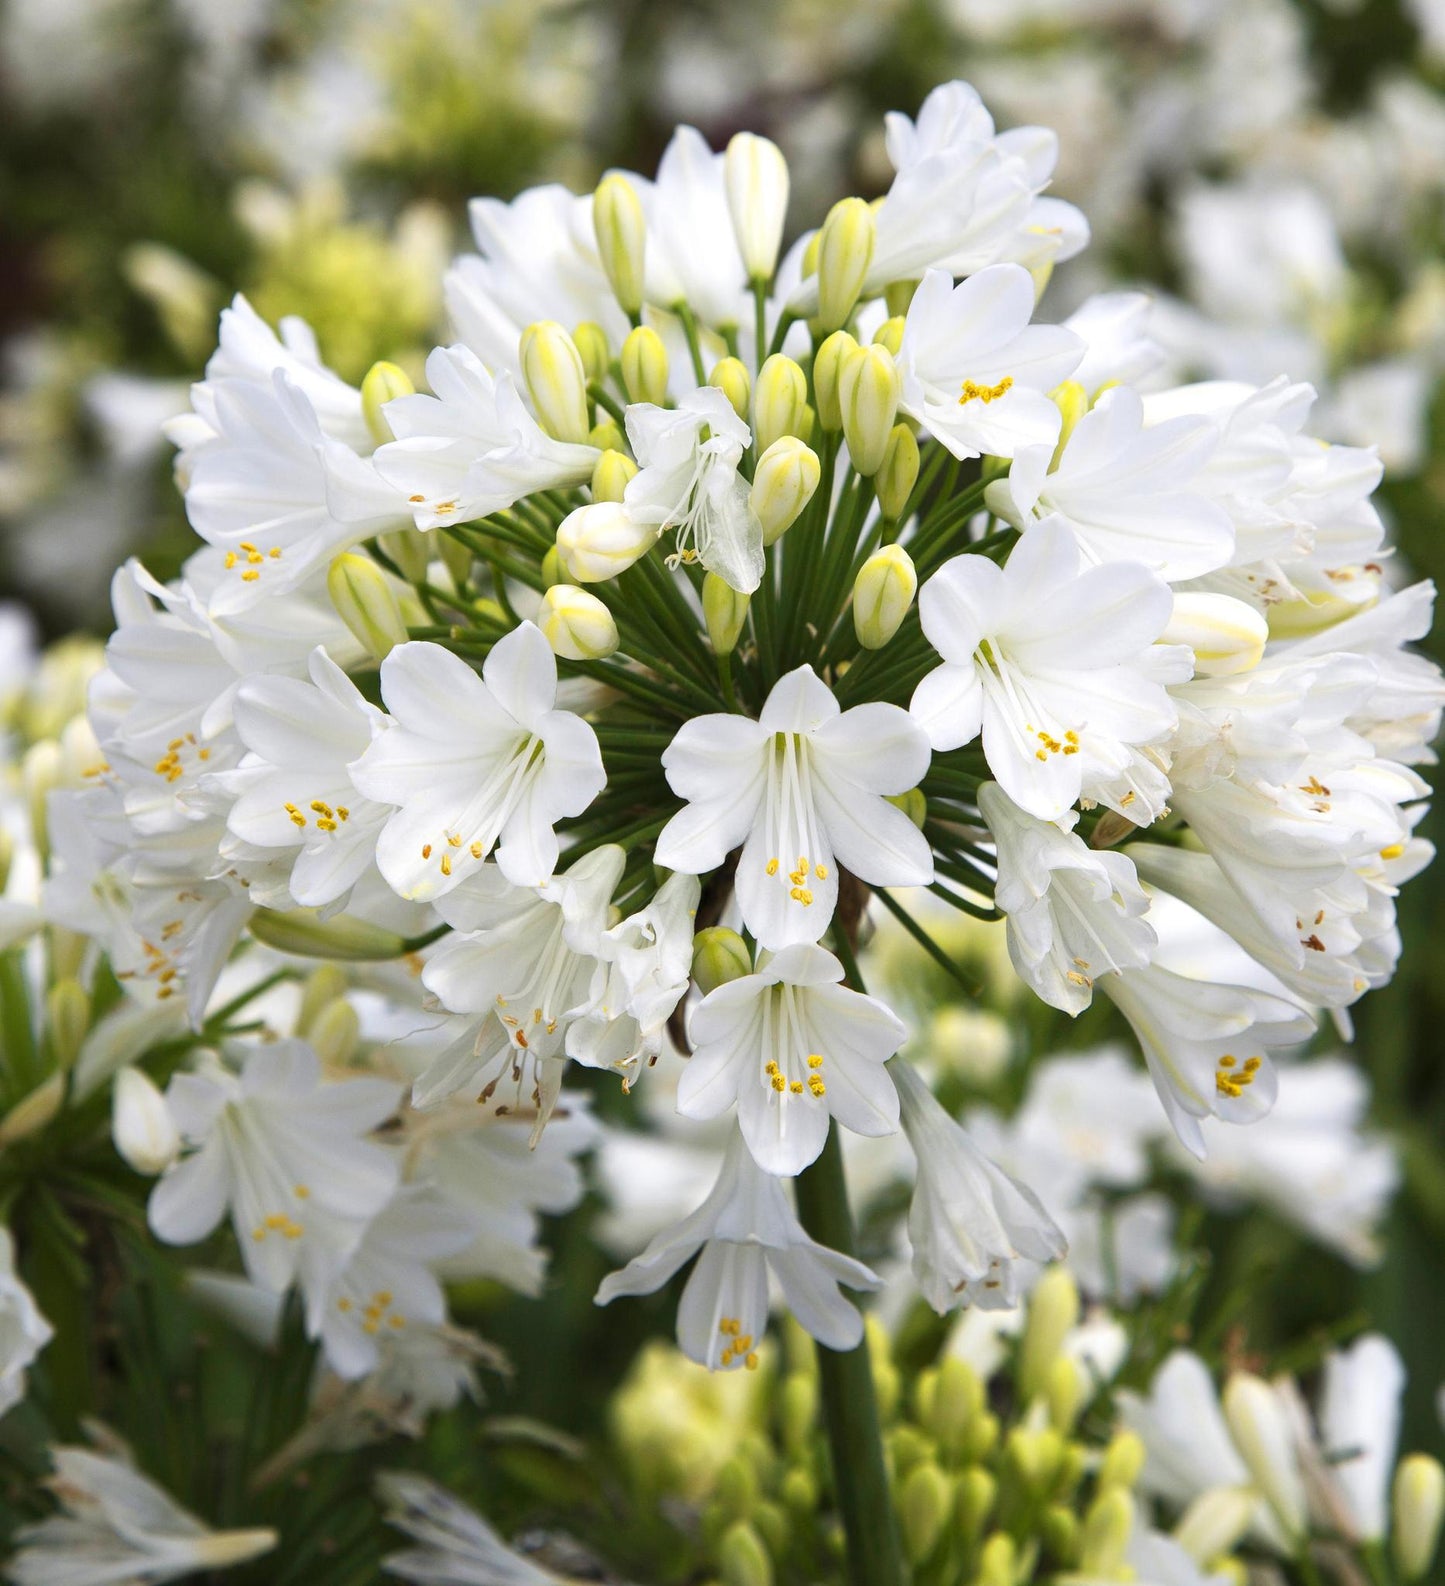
[709, 591]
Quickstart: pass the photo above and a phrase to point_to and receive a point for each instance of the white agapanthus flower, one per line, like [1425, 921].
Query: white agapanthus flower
[1359, 1430]
[743, 1233]
[802, 790]
[475, 763]
[24, 1332]
[452, 1543]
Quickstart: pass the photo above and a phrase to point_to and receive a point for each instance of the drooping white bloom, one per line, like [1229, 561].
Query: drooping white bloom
[285, 1153]
[293, 790]
[1124, 489]
[24, 1332]
[969, 1221]
[792, 1047]
[1073, 911]
[117, 1525]
[474, 763]
[472, 448]
[454, 1544]
[1359, 1427]
[688, 481]
[974, 372]
[802, 789]
[144, 1132]
[745, 1230]
[1051, 661]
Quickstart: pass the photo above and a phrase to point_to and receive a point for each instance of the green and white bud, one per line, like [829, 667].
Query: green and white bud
[320, 989]
[898, 472]
[890, 334]
[725, 610]
[591, 342]
[610, 478]
[33, 1112]
[366, 603]
[384, 382]
[925, 1501]
[1066, 1393]
[67, 1020]
[799, 1491]
[845, 250]
[1060, 1533]
[1035, 1456]
[1261, 1433]
[410, 550]
[868, 390]
[141, 1125]
[897, 295]
[827, 362]
[1123, 1458]
[1227, 636]
[342, 936]
[553, 571]
[606, 436]
[336, 1033]
[779, 398]
[644, 366]
[783, 484]
[755, 175]
[600, 541]
[977, 1492]
[1107, 1528]
[718, 956]
[42, 770]
[1053, 1312]
[742, 1558]
[882, 594]
[913, 803]
[1418, 1505]
[621, 230]
[1214, 1523]
[556, 380]
[997, 1562]
[731, 377]
[577, 625]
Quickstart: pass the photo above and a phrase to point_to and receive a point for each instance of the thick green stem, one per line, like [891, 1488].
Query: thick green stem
[850, 1406]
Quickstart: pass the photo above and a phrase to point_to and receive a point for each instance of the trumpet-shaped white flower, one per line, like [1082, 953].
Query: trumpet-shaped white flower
[474, 763]
[472, 448]
[1051, 662]
[24, 1332]
[454, 1544]
[286, 1155]
[1124, 489]
[969, 1222]
[1359, 1423]
[802, 789]
[688, 481]
[792, 1047]
[293, 790]
[1073, 911]
[974, 372]
[117, 1525]
[745, 1231]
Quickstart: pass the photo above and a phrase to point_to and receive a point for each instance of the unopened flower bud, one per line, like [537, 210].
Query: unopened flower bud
[321, 988]
[1072, 402]
[1107, 1528]
[342, 936]
[336, 1033]
[592, 345]
[1215, 1522]
[553, 572]
[897, 295]
[410, 550]
[731, 377]
[890, 334]
[141, 1125]
[827, 361]
[1418, 1502]
[799, 1491]
[366, 603]
[606, 436]
[897, 473]
[783, 484]
[1227, 635]
[845, 250]
[67, 1019]
[621, 230]
[611, 476]
[868, 389]
[600, 541]
[882, 594]
[577, 625]
[997, 1561]
[1123, 1458]
[33, 1112]
[977, 1490]
[1261, 1433]
[756, 177]
[456, 558]
[735, 1490]
[718, 956]
[556, 381]
[383, 383]
[644, 366]
[955, 1400]
[742, 1558]
[1060, 1533]
[925, 1500]
[1053, 1312]
[779, 398]
[1035, 1456]
[982, 1437]
[1066, 1392]
[42, 770]
[725, 610]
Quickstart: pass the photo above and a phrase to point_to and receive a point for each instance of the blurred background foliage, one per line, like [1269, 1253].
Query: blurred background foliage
[158, 155]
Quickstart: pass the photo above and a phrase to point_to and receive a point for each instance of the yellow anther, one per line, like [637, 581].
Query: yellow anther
[475, 850]
[454, 842]
[426, 850]
[230, 560]
[250, 577]
[816, 1085]
[1228, 1062]
[985, 393]
[796, 1087]
[246, 545]
[1393, 851]
[772, 1066]
[301, 1191]
[821, 871]
[446, 864]
[324, 824]
[274, 553]
[343, 1304]
[397, 1321]
[383, 1297]
[772, 867]
[815, 1060]
[1252, 1065]
[342, 813]
[751, 1363]
[320, 808]
[779, 1083]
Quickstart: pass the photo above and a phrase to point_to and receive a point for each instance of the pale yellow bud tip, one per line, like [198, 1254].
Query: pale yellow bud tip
[718, 956]
[621, 230]
[783, 484]
[578, 626]
[366, 603]
[882, 594]
[384, 382]
[1227, 636]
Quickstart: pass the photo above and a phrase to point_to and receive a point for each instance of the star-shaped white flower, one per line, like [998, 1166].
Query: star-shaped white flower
[802, 789]
[792, 1047]
[473, 763]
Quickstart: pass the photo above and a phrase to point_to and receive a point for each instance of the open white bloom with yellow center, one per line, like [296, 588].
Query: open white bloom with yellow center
[969, 1222]
[475, 763]
[792, 1047]
[117, 1525]
[745, 1231]
[802, 789]
[974, 372]
[1051, 661]
[24, 1332]
[286, 1154]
